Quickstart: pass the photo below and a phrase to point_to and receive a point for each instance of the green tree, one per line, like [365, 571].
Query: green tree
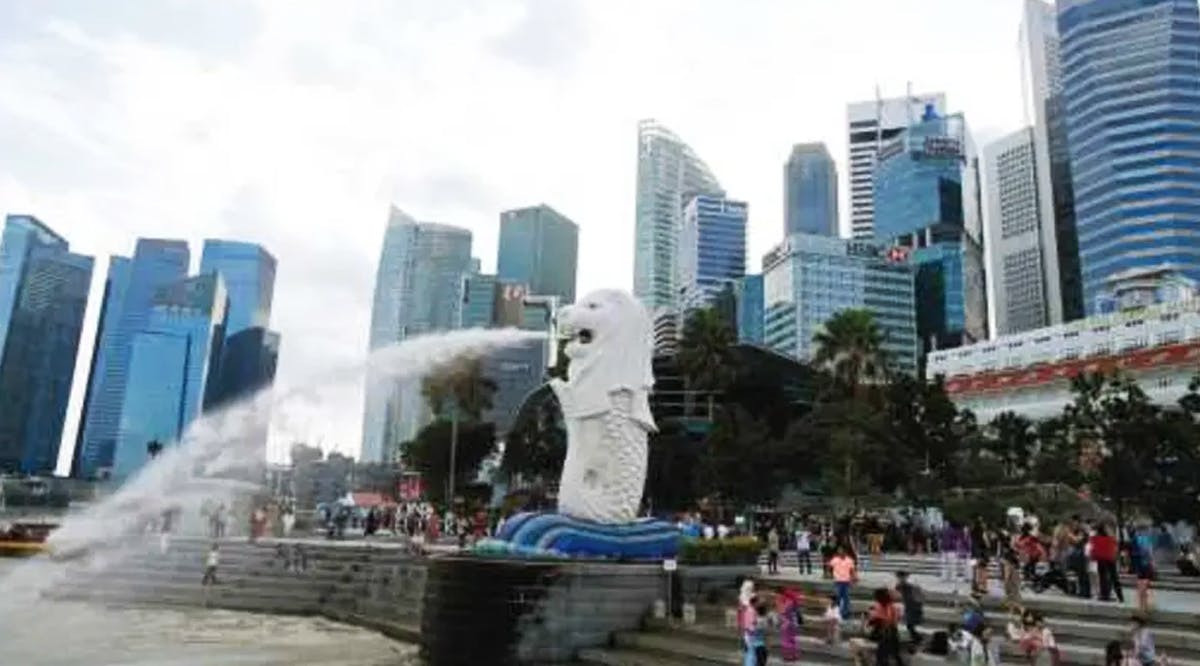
[739, 465]
[850, 347]
[672, 471]
[536, 444]
[706, 356]
[1012, 439]
[461, 385]
[429, 454]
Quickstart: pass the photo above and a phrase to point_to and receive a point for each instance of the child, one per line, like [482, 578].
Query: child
[210, 566]
[833, 621]
[754, 635]
[788, 609]
[1143, 642]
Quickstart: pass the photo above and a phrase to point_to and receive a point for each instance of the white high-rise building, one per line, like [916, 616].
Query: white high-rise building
[1041, 90]
[669, 173]
[870, 125]
[1018, 283]
[418, 289]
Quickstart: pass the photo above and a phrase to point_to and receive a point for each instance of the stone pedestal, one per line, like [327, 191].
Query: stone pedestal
[505, 611]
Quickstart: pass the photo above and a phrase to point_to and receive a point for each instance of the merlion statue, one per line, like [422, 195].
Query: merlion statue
[606, 406]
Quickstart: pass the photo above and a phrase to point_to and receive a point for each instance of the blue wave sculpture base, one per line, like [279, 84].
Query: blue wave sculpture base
[556, 535]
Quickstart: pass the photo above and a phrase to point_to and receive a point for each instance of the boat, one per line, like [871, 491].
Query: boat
[25, 539]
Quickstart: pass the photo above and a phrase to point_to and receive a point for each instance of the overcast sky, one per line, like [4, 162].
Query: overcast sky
[294, 124]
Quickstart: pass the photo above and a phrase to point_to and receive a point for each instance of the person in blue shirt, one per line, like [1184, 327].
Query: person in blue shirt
[1141, 558]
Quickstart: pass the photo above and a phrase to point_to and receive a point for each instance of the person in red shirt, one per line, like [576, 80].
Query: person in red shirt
[1104, 554]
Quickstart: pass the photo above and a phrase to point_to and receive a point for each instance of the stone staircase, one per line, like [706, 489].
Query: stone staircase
[1167, 579]
[380, 587]
[1082, 630]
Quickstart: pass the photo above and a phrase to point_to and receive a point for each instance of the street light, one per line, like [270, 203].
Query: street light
[453, 451]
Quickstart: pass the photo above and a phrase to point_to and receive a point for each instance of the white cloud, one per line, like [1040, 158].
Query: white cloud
[295, 124]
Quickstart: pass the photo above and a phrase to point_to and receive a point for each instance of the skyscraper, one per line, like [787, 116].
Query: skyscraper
[1041, 92]
[418, 289]
[927, 201]
[810, 193]
[808, 279]
[1019, 278]
[248, 271]
[748, 302]
[539, 247]
[130, 291]
[668, 174]
[171, 362]
[43, 295]
[712, 249]
[479, 300]
[870, 125]
[1130, 70]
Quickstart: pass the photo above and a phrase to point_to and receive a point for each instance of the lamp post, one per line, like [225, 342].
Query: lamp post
[453, 452]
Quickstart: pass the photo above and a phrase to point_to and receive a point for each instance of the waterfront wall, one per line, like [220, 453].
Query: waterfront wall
[460, 609]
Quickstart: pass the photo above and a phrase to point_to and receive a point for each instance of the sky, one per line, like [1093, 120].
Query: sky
[296, 123]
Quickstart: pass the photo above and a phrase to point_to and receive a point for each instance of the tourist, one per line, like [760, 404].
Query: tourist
[845, 574]
[981, 551]
[773, 552]
[1077, 557]
[288, 520]
[1103, 548]
[913, 598]
[803, 550]
[1187, 562]
[1031, 550]
[1010, 575]
[754, 633]
[1113, 655]
[210, 566]
[1141, 557]
[883, 621]
[947, 550]
[789, 610]
[1143, 641]
[372, 523]
[968, 646]
[832, 618]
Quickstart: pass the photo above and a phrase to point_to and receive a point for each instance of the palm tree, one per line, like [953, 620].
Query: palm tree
[705, 353]
[850, 346]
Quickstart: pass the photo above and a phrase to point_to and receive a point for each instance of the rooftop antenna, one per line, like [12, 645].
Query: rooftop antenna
[878, 119]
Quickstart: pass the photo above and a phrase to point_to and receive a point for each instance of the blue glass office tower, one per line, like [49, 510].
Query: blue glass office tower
[539, 247]
[808, 279]
[712, 249]
[43, 295]
[171, 362]
[1131, 85]
[810, 196]
[479, 300]
[927, 202]
[748, 299]
[418, 289]
[248, 271]
[130, 291]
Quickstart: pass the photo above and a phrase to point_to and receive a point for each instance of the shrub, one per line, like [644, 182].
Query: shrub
[739, 550]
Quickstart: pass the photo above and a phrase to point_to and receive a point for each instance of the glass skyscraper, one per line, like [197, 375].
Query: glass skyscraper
[43, 295]
[172, 360]
[668, 174]
[870, 125]
[712, 249]
[539, 247]
[1131, 86]
[479, 300]
[418, 289]
[748, 301]
[129, 295]
[810, 193]
[808, 279]
[927, 201]
[248, 271]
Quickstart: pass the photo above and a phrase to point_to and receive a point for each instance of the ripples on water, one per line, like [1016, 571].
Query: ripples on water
[54, 633]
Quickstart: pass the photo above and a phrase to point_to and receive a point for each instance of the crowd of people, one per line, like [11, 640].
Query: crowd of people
[973, 640]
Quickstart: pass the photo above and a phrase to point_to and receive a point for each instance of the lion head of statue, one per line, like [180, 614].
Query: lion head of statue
[610, 342]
